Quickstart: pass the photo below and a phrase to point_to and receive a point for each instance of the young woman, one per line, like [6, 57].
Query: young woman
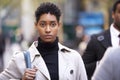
[50, 60]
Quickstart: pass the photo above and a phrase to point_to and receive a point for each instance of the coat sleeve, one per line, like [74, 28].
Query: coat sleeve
[105, 69]
[12, 71]
[89, 56]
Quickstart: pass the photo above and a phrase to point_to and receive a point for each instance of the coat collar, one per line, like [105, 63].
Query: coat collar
[35, 52]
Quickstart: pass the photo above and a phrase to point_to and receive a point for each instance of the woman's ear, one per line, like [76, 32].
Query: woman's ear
[59, 24]
[35, 24]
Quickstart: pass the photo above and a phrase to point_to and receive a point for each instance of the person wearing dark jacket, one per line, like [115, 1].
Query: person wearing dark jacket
[2, 49]
[100, 42]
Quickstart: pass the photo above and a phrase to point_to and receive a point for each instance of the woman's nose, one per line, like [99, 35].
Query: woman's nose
[48, 29]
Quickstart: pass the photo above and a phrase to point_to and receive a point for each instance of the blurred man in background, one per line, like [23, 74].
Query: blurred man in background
[100, 42]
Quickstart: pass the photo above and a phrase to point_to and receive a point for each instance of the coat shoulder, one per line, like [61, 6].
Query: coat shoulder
[68, 50]
[100, 36]
[18, 55]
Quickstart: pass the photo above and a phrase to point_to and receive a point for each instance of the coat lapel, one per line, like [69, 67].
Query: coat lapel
[38, 61]
[40, 64]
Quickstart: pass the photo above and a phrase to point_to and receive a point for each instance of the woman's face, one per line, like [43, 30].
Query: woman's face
[47, 27]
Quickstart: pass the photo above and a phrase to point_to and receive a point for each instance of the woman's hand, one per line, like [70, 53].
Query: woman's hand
[29, 74]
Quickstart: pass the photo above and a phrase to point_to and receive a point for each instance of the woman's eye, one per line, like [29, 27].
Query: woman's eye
[53, 24]
[42, 24]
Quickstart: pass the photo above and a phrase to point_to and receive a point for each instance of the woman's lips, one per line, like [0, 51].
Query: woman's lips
[48, 36]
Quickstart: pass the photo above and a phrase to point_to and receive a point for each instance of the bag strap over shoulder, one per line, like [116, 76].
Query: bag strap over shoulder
[27, 59]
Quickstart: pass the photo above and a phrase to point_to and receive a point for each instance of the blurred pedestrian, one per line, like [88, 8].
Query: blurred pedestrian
[79, 34]
[50, 60]
[100, 42]
[109, 67]
[2, 49]
[83, 44]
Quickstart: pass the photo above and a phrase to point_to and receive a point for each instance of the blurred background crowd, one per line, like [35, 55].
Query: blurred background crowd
[80, 19]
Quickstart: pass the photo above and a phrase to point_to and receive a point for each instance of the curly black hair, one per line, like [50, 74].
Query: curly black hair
[115, 5]
[47, 7]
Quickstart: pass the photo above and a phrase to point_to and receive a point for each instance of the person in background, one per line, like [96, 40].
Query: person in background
[100, 42]
[109, 67]
[2, 49]
[83, 44]
[50, 60]
[79, 34]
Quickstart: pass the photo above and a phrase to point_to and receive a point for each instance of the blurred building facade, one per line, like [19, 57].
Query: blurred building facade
[17, 17]
[20, 13]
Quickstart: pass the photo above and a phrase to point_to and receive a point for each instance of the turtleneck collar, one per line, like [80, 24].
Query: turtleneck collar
[45, 47]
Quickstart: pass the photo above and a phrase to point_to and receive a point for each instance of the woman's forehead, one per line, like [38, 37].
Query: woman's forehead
[48, 17]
